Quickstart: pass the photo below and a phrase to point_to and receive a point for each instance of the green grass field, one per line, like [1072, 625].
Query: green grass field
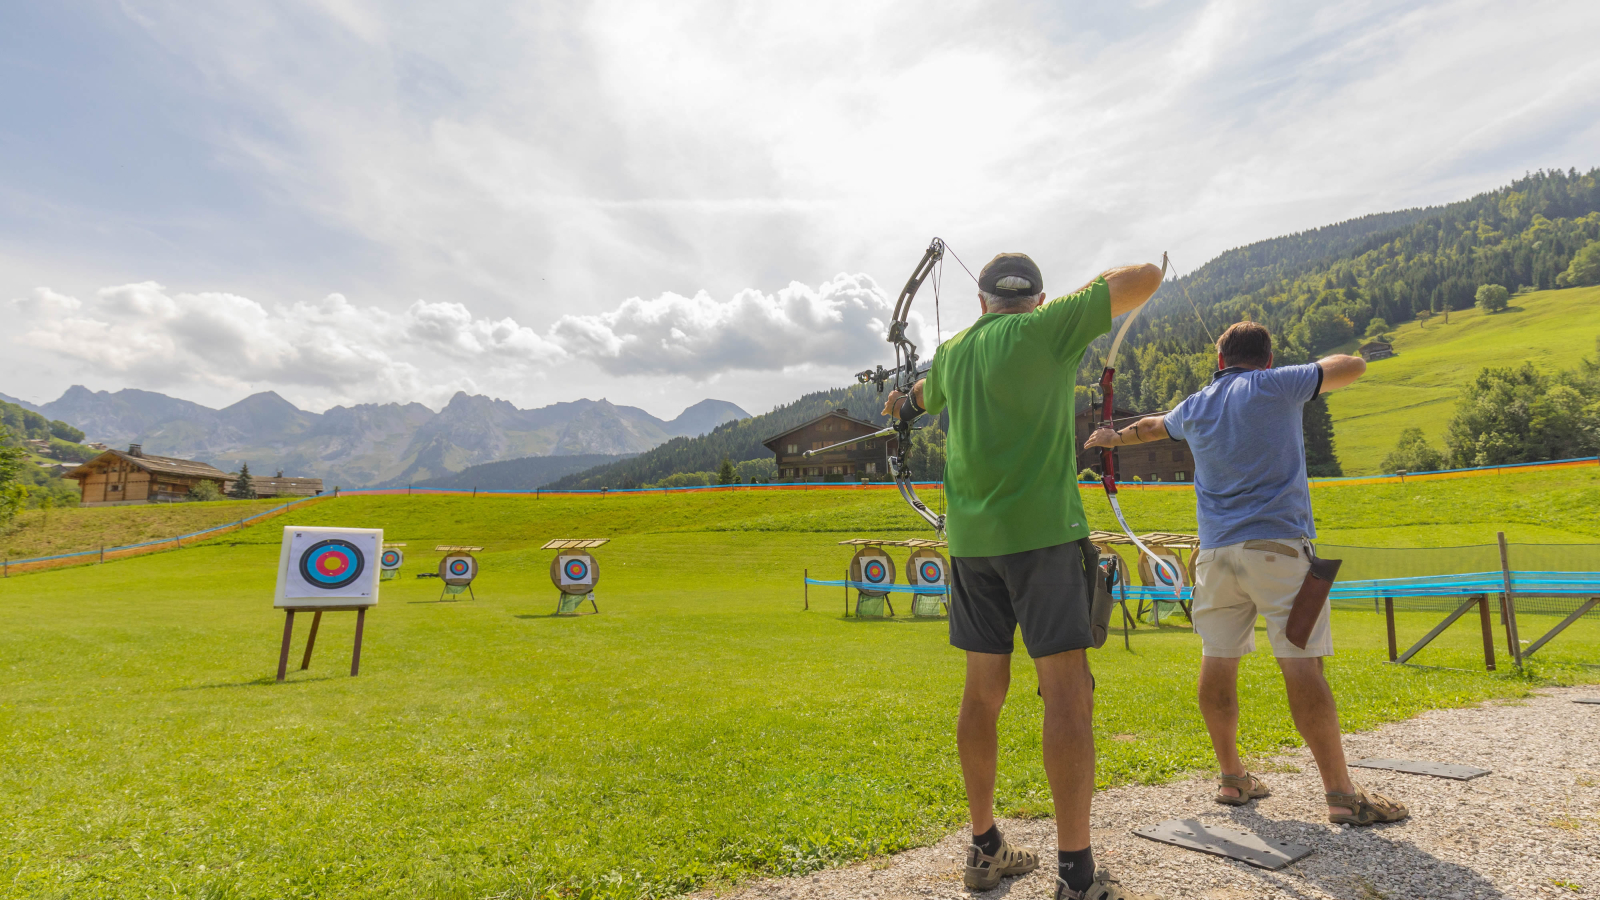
[702, 729]
[1418, 387]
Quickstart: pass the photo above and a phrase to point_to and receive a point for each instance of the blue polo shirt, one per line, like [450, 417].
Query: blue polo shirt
[1249, 453]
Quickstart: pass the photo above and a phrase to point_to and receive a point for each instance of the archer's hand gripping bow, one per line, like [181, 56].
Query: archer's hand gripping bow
[1108, 459]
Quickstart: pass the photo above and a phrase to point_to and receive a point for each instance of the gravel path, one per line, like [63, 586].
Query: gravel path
[1530, 829]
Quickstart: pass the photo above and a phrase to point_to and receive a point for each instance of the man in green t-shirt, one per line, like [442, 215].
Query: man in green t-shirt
[1014, 523]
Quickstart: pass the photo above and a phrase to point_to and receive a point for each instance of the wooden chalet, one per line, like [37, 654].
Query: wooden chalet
[1372, 350]
[118, 477]
[866, 459]
[1155, 461]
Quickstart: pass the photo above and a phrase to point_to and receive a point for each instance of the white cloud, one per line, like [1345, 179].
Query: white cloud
[841, 323]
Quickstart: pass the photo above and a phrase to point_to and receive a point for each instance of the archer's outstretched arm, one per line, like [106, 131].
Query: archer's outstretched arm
[1147, 429]
[1340, 371]
[1130, 286]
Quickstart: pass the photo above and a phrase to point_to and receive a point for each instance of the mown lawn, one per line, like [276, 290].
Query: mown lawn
[1418, 387]
[44, 532]
[703, 728]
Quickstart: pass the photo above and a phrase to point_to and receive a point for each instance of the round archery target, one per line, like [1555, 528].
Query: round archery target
[1168, 574]
[332, 564]
[927, 567]
[458, 569]
[574, 572]
[871, 566]
[391, 559]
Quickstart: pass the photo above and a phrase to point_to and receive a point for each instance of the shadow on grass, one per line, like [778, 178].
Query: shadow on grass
[553, 615]
[263, 681]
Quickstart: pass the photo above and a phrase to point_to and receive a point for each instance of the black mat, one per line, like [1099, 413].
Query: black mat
[1192, 834]
[1418, 767]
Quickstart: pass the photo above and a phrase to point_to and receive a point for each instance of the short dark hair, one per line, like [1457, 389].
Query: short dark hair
[1246, 344]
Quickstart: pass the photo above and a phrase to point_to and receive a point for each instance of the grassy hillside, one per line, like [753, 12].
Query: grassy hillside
[1419, 386]
[42, 532]
[704, 728]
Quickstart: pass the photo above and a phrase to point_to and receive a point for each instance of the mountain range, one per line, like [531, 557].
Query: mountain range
[371, 445]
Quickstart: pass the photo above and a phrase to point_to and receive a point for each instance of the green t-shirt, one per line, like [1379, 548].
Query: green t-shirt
[1011, 473]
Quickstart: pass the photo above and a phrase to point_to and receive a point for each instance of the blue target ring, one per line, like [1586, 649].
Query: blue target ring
[931, 572]
[874, 571]
[577, 570]
[332, 564]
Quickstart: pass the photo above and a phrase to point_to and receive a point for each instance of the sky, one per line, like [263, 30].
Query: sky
[358, 202]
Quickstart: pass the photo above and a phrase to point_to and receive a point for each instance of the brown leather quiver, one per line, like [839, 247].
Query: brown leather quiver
[1310, 600]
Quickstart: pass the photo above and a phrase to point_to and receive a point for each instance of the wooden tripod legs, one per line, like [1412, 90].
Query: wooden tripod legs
[311, 640]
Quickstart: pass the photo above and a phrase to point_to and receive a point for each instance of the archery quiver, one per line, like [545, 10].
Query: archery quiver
[1101, 600]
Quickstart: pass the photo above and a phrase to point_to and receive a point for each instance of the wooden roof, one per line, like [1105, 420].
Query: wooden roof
[838, 414]
[458, 549]
[160, 465]
[574, 543]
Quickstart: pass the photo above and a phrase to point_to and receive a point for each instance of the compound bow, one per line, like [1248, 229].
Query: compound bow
[904, 377]
[1108, 459]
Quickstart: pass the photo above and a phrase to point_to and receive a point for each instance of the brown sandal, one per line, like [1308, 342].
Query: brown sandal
[1248, 786]
[1366, 809]
[984, 871]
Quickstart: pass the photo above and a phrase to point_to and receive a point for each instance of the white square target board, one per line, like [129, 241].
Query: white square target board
[329, 566]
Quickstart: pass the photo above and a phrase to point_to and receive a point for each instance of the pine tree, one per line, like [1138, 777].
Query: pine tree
[1317, 428]
[726, 473]
[242, 488]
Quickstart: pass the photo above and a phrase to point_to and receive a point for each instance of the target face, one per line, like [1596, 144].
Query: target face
[1168, 573]
[332, 564]
[874, 571]
[329, 567]
[391, 559]
[458, 570]
[574, 572]
[930, 572]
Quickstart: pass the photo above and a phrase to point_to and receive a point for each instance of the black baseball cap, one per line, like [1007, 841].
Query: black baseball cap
[1011, 264]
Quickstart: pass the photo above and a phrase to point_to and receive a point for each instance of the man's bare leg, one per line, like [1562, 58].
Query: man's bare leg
[1068, 692]
[1219, 706]
[977, 738]
[1316, 717]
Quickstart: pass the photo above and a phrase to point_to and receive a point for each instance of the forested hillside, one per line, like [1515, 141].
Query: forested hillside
[1524, 235]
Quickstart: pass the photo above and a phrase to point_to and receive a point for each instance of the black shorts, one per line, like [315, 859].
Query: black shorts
[1044, 590]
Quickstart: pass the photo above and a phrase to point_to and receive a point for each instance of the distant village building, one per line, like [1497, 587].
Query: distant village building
[867, 459]
[1373, 350]
[119, 477]
[279, 486]
[1164, 460]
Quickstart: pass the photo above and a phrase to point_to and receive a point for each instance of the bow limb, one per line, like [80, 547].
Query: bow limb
[904, 378]
[1108, 459]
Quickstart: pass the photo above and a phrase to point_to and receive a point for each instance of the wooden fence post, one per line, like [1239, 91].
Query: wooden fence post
[1509, 601]
[102, 552]
[808, 588]
[1488, 632]
[1388, 613]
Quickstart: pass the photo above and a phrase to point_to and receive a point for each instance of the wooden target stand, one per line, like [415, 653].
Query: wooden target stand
[361, 547]
[1174, 546]
[457, 569]
[388, 572]
[575, 573]
[869, 604]
[311, 639]
[927, 606]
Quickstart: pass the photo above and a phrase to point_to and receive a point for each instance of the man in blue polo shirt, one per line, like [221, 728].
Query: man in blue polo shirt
[1253, 502]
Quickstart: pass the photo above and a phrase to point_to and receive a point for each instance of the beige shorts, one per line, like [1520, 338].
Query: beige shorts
[1234, 584]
